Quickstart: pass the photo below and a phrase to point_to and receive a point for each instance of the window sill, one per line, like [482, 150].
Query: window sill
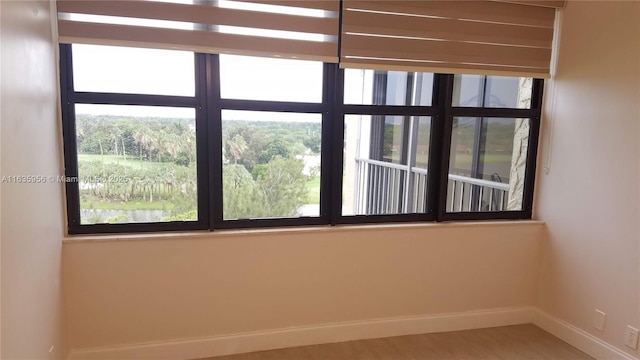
[292, 230]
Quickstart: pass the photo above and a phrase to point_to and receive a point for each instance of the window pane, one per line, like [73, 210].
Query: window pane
[369, 87]
[492, 91]
[487, 166]
[271, 164]
[385, 164]
[136, 164]
[132, 70]
[256, 78]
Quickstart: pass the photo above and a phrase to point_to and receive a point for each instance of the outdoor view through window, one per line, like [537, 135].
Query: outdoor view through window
[139, 164]
[271, 165]
[135, 163]
[271, 160]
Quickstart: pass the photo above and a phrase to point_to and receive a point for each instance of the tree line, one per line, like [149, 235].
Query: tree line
[262, 177]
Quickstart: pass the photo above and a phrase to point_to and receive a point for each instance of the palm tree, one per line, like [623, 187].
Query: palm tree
[144, 139]
[237, 146]
[188, 141]
[114, 135]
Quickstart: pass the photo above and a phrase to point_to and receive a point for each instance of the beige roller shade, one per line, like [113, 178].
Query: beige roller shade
[479, 37]
[291, 29]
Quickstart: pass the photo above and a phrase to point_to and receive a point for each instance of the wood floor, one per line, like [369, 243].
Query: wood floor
[507, 342]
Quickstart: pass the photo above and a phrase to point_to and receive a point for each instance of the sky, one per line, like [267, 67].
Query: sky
[169, 72]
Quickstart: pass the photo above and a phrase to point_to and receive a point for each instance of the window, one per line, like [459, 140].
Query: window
[369, 87]
[251, 78]
[385, 164]
[387, 137]
[492, 91]
[136, 163]
[271, 164]
[494, 124]
[114, 69]
[161, 140]
[486, 170]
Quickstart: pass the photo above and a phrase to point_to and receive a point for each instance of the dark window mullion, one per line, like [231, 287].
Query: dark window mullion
[69, 137]
[446, 122]
[386, 218]
[532, 147]
[329, 207]
[492, 112]
[337, 149]
[435, 146]
[488, 215]
[400, 110]
[136, 227]
[274, 106]
[214, 119]
[202, 141]
[133, 99]
[269, 222]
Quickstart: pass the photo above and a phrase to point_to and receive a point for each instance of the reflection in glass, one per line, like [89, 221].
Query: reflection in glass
[492, 91]
[487, 164]
[369, 87]
[136, 164]
[385, 164]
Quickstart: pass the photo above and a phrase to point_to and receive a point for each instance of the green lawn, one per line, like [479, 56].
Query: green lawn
[313, 186]
[118, 159]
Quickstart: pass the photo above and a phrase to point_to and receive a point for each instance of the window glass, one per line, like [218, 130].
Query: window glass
[271, 164]
[492, 91]
[369, 87]
[487, 164]
[385, 164]
[136, 164]
[256, 78]
[115, 69]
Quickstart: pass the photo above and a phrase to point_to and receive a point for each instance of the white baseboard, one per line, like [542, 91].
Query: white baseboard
[320, 334]
[579, 338]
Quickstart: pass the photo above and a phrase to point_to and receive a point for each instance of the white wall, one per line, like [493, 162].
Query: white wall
[32, 220]
[159, 289]
[590, 199]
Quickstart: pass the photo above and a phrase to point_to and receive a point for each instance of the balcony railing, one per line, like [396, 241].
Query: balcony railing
[387, 188]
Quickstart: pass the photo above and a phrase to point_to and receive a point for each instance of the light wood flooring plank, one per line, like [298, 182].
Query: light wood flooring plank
[518, 342]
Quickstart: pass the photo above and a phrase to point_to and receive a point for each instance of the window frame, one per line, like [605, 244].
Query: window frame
[208, 106]
[533, 114]
[216, 104]
[431, 111]
[69, 98]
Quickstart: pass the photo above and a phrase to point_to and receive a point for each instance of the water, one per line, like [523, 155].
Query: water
[92, 216]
